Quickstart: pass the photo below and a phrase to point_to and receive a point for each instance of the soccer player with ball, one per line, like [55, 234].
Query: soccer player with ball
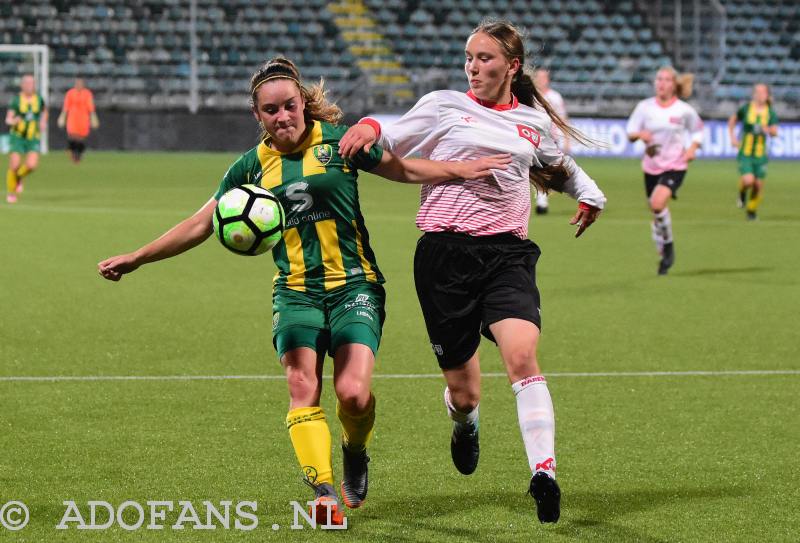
[474, 267]
[328, 295]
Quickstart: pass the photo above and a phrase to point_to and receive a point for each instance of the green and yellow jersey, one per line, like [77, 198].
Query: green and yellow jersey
[754, 137]
[325, 243]
[29, 109]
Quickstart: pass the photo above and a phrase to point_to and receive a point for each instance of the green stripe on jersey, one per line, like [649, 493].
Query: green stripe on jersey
[325, 244]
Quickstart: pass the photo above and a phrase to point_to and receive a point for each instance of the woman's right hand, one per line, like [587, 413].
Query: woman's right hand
[358, 137]
[115, 267]
[646, 136]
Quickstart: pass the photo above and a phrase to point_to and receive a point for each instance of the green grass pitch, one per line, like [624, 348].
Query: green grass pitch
[641, 458]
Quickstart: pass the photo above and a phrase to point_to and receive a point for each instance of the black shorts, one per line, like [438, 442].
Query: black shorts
[465, 283]
[673, 179]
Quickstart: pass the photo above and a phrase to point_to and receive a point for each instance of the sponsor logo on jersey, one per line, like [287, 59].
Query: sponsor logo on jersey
[323, 153]
[437, 349]
[275, 319]
[530, 134]
[468, 119]
[675, 120]
[362, 298]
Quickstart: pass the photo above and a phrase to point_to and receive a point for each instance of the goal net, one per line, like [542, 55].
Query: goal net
[16, 61]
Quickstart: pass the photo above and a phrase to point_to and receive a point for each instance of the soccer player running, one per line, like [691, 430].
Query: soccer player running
[474, 267]
[664, 123]
[541, 78]
[327, 295]
[26, 114]
[79, 117]
[758, 121]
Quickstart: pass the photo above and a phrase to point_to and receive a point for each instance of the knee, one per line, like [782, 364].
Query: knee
[302, 385]
[353, 395]
[657, 207]
[522, 363]
[465, 399]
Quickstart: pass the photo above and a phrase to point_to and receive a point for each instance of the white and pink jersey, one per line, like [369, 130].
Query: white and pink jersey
[451, 125]
[670, 126]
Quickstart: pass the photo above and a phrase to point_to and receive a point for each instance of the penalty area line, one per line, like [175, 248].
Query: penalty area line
[83, 378]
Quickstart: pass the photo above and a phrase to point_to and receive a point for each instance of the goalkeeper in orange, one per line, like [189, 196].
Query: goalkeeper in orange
[78, 115]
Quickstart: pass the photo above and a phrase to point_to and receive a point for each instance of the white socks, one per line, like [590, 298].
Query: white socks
[459, 418]
[537, 423]
[541, 198]
[661, 228]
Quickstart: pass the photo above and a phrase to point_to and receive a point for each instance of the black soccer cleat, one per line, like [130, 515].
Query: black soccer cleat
[465, 448]
[751, 215]
[541, 210]
[667, 258]
[355, 479]
[545, 492]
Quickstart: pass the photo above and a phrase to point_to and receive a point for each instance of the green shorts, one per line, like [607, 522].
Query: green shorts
[325, 321]
[755, 166]
[20, 145]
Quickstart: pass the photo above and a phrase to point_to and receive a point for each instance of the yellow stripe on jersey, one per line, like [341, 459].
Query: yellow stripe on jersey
[311, 164]
[30, 133]
[369, 273]
[761, 119]
[297, 264]
[271, 167]
[747, 148]
[331, 254]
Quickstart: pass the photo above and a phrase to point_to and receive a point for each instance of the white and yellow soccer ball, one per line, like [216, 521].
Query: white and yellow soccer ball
[248, 220]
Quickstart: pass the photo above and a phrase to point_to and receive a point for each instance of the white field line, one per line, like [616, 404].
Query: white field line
[698, 373]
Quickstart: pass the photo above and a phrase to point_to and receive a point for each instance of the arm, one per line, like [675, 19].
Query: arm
[185, 235]
[413, 133]
[695, 126]
[419, 171]
[635, 126]
[732, 120]
[11, 118]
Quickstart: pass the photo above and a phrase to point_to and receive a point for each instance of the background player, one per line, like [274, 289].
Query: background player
[541, 78]
[79, 116]
[664, 123]
[26, 114]
[758, 120]
[328, 295]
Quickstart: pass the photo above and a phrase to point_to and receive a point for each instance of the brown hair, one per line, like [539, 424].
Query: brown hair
[511, 43]
[317, 108]
[683, 82]
[769, 91]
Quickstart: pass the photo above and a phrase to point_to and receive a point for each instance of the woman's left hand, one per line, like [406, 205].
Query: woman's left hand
[481, 167]
[584, 218]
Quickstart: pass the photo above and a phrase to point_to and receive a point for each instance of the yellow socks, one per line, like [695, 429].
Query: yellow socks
[22, 171]
[11, 182]
[752, 204]
[357, 430]
[311, 440]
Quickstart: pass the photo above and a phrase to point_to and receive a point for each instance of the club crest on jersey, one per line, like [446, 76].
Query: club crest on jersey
[323, 153]
[530, 134]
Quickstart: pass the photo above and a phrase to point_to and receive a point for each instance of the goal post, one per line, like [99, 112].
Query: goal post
[35, 60]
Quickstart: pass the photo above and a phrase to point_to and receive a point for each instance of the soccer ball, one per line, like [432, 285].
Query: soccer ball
[248, 220]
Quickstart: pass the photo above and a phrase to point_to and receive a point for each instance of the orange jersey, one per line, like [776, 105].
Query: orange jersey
[79, 105]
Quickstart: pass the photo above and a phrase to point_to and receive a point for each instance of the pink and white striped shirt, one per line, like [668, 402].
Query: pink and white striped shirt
[670, 126]
[451, 125]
